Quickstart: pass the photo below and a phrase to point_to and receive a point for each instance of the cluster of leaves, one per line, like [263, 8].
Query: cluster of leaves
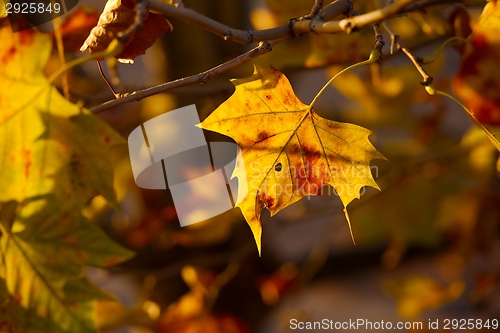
[55, 162]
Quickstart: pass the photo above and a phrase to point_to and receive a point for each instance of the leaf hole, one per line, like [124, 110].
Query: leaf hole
[278, 167]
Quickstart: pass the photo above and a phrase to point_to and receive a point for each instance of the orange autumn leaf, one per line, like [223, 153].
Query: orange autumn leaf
[272, 287]
[478, 82]
[77, 27]
[192, 313]
[189, 315]
[118, 15]
[287, 150]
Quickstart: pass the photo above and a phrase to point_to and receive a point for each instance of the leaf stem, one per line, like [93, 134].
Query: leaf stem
[114, 48]
[110, 86]
[428, 60]
[433, 91]
[417, 62]
[374, 56]
[262, 48]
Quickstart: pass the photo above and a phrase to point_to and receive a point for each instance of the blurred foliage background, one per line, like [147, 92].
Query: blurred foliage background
[427, 245]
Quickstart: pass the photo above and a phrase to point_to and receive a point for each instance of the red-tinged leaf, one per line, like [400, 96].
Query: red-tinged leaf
[117, 16]
[180, 318]
[154, 26]
[191, 313]
[77, 27]
[478, 82]
[273, 286]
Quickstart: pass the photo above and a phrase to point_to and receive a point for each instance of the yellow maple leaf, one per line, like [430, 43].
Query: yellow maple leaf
[287, 150]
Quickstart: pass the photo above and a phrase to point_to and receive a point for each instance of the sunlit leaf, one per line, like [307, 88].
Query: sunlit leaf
[288, 150]
[54, 158]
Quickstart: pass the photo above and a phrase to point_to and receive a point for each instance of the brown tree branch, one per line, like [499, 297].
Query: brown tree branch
[379, 39]
[262, 48]
[396, 41]
[333, 10]
[318, 4]
[305, 25]
[321, 23]
[236, 35]
[355, 22]
[244, 36]
[271, 37]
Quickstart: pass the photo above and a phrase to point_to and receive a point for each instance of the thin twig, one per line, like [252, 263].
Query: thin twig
[333, 10]
[318, 4]
[379, 39]
[239, 36]
[314, 17]
[262, 48]
[356, 22]
[117, 95]
[351, 12]
[396, 41]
